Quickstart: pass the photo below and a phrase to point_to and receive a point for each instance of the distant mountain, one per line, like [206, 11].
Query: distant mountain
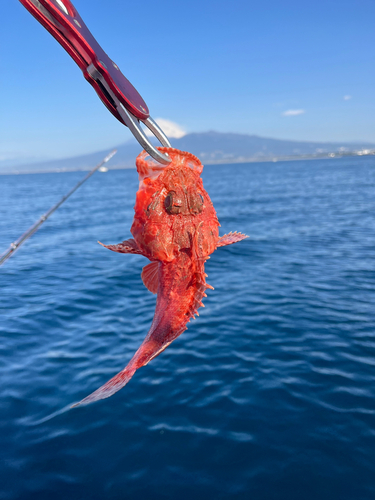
[210, 147]
[215, 147]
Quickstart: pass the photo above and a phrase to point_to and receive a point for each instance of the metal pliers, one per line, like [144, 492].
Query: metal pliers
[62, 20]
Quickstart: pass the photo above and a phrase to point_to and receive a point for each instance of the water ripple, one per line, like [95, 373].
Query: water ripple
[269, 394]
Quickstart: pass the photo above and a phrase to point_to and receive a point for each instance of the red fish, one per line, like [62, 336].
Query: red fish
[175, 226]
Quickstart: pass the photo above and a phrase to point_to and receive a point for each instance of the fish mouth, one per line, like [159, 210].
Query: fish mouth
[147, 166]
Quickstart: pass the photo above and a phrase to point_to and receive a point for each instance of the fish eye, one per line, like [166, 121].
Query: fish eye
[196, 203]
[173, 203]
[168, 201]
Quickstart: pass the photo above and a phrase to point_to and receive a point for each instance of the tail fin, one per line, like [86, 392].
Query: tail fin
[148, 350]
[108, 389]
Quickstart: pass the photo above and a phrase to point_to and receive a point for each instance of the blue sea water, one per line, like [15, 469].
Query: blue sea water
[269, 394]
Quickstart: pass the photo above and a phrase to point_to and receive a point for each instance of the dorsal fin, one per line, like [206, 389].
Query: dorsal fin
[149, 276]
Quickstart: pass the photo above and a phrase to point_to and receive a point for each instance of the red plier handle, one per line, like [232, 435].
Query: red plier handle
[62, 20]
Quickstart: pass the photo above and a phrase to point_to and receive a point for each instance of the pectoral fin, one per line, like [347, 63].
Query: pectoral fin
[230, 238]
[150, 276]
[127, 246]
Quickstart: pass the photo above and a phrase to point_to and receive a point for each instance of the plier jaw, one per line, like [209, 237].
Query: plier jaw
[64, 23]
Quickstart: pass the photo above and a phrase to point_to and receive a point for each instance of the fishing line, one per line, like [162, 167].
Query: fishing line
[16, 244]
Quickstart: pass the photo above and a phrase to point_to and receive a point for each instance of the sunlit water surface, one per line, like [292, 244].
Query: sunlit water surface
[270, 393]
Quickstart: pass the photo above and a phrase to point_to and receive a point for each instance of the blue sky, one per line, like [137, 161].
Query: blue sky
[290, 70]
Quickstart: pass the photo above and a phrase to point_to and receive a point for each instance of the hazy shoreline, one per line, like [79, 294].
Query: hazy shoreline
[240, 161]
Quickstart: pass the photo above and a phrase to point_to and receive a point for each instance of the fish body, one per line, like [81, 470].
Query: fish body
[176, 227]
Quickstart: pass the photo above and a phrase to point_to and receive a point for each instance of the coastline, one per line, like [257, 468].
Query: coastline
[239, 161]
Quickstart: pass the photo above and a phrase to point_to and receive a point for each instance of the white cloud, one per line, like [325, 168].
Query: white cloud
[347, 97]
[171, 129]
[293, 112]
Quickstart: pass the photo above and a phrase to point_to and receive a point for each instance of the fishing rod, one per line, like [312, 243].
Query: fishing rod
[16, 244]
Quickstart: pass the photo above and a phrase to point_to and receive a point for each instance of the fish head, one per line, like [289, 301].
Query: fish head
[173, 212]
